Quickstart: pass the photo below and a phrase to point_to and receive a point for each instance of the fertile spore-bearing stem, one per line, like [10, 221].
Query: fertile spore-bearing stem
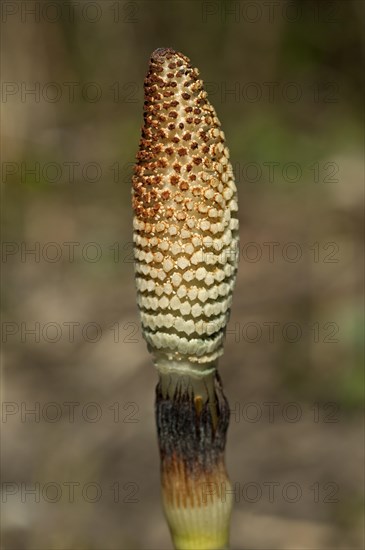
[186, 237]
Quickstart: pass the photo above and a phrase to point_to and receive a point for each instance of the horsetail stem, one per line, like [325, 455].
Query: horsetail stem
[185, 245]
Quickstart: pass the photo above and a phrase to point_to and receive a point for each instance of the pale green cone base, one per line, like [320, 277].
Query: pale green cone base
[201, 528]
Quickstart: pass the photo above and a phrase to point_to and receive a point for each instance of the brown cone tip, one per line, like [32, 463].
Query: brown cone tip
[163, 52]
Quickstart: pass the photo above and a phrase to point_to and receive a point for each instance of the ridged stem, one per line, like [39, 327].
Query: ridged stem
[192, 416]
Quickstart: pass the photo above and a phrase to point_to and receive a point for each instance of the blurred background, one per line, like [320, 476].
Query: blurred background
[80, 458]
